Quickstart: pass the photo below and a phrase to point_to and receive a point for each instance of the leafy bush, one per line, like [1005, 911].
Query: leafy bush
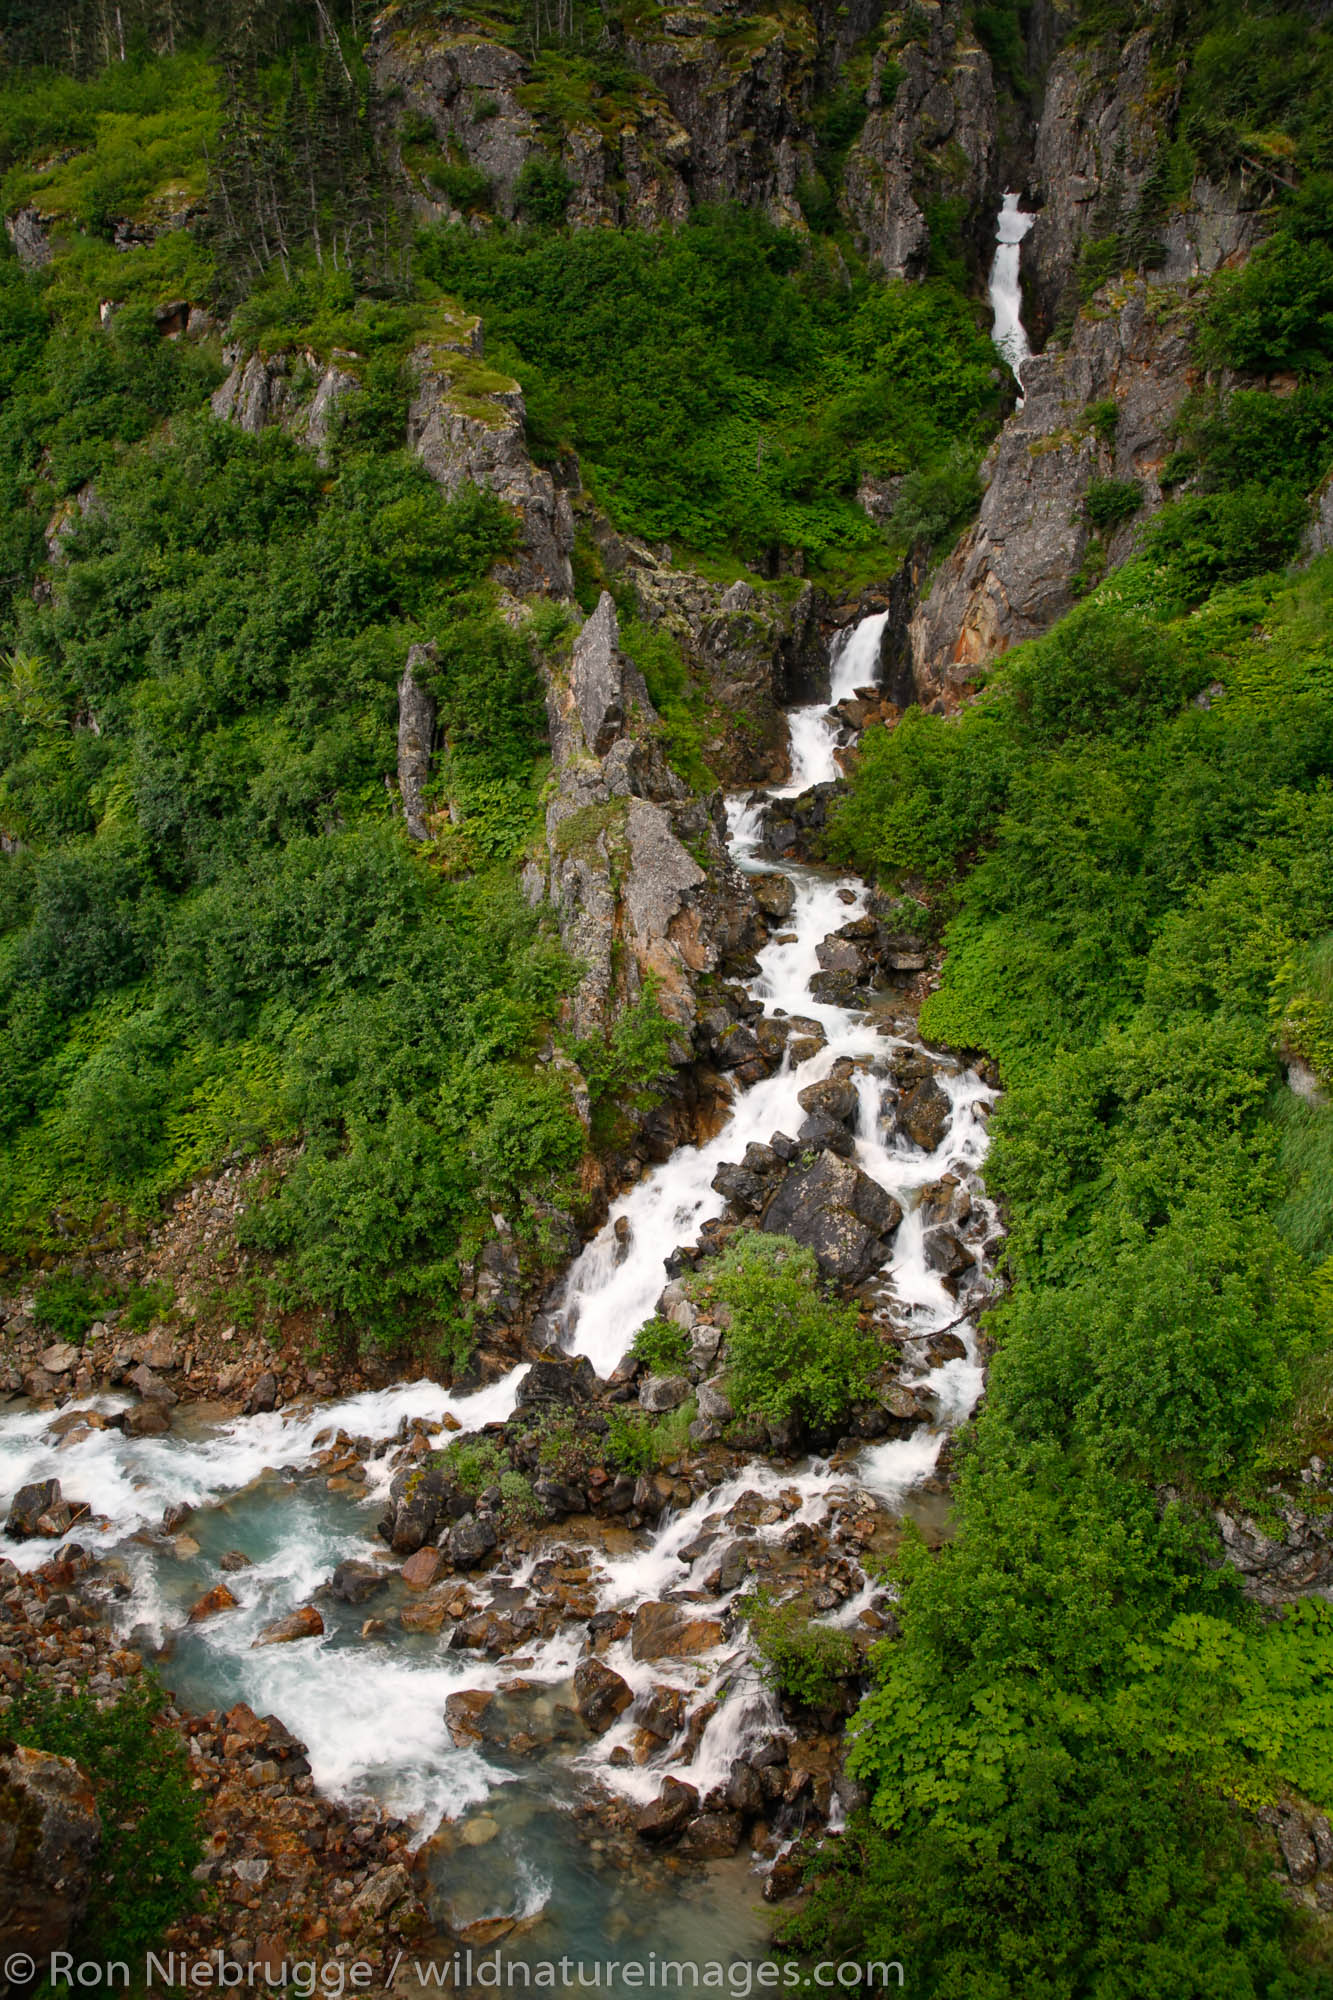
[661, 1347]
[804, 1659]
[934, 501]
[542, 192]
[790, 1351]
[152, 1833]
[68, 1302]
[1109, 503]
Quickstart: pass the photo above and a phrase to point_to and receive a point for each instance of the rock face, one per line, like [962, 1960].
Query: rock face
[631, 898]
[1096, 171]
[930, 134]
[467, 424]
[49, 1836]
[1011, 575]
[416, 733]
[1280, 1569]
[301, 393]
[668, 1632]
[836, 1210]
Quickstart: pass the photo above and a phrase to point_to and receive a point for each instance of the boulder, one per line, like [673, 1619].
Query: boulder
[28, 1506]
[836, 1210]
[303, 1624]
[386, 1887]
[668, 1812]
[661, 1711]
[151, 1387]
[826, 1135]
[62, 1359]
[464, 1713]
[160, 1352]
[553, 1380]
[219, 1598]
[711, 1837]
[354, 1581]
[664, 1392]
[835, 1097]
[264, 1395]
[840, 955]
[924, 1113]
[49, 1837]
[420, 1570]
[600, 1694]
[774, 894]
[151, 1418]
[233, 1559]
[470, 1541]
[669, 1632]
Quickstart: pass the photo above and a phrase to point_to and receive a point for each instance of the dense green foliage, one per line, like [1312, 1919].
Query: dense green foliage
[791, 1352]
[801, 1657]
[1136, 890]
[152, 1835]
[723, 388]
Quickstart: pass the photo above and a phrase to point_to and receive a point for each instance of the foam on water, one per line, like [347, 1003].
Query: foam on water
[1006, 296]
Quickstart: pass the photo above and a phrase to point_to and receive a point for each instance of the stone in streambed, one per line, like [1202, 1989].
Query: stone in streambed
[28, 1506]
[836, 1210]
[668, 1632]
[668, 1812]
[151, 1418]
[420, 1570]
[219, 1598]
[354, 1581]
[600, 1694]
[924, 1113]
[775, 895]
[469, 1542]
[303, 1624]
[711, 1837]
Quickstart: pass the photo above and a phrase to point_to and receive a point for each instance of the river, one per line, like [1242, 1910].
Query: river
[370, 1703]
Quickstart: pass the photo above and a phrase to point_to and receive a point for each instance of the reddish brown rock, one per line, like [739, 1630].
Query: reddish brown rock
[219, 1598]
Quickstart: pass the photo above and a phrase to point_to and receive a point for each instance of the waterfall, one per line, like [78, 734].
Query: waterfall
[1009, 333]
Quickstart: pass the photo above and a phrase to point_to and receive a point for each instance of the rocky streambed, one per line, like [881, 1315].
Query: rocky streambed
[509, 1692]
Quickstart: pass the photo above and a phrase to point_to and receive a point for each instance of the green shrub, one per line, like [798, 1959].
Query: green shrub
[1109, 503]
[629, 1441]
[804, 1659]
[661, 1347]
[67, 1303]
[467, 187]
[542, 192]
[476, 1463]
[790, 1351]
[152, 1822]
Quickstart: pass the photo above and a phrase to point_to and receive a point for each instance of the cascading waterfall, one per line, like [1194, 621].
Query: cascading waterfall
[370, 1706]
[1006, 297]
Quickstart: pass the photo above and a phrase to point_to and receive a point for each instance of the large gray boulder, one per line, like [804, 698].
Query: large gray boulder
[836, 1210]
[49, 1836]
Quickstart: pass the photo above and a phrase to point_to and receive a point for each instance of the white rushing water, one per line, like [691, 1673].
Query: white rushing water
[1006, 297]
[369, 1704]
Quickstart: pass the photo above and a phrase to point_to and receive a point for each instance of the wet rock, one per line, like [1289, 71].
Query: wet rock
[667, 1814]
[839, 955]
[664, 1631]
[664, 1392]
[711, 1837]
[151, 1387]
[835, 1098]
[354, 1581]
[28, 1505]
[744, 1190]
[264, 1395]
[836, 1210]
[303, 1624]
[924, 1113]
[559, 1497]
[783, 1880]
[49, 1837]
[558, 1381]
[944, 1253]
[427, 1614]
[470, 1541]
[420, 1570]
[775, 895]
[464, 1715]
[386, 1887]
[600, 1694]
[233, 1560]
[660, 1712]
[151, 1418]
[219, 1598]
[745, 1793]
[826, 1135]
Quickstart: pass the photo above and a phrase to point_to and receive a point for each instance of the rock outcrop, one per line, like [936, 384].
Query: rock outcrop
[633, 899]
[1013, 572]
[49, 1836]
[930, 134]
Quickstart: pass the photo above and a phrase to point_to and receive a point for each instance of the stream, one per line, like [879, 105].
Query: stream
[370, 1704]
